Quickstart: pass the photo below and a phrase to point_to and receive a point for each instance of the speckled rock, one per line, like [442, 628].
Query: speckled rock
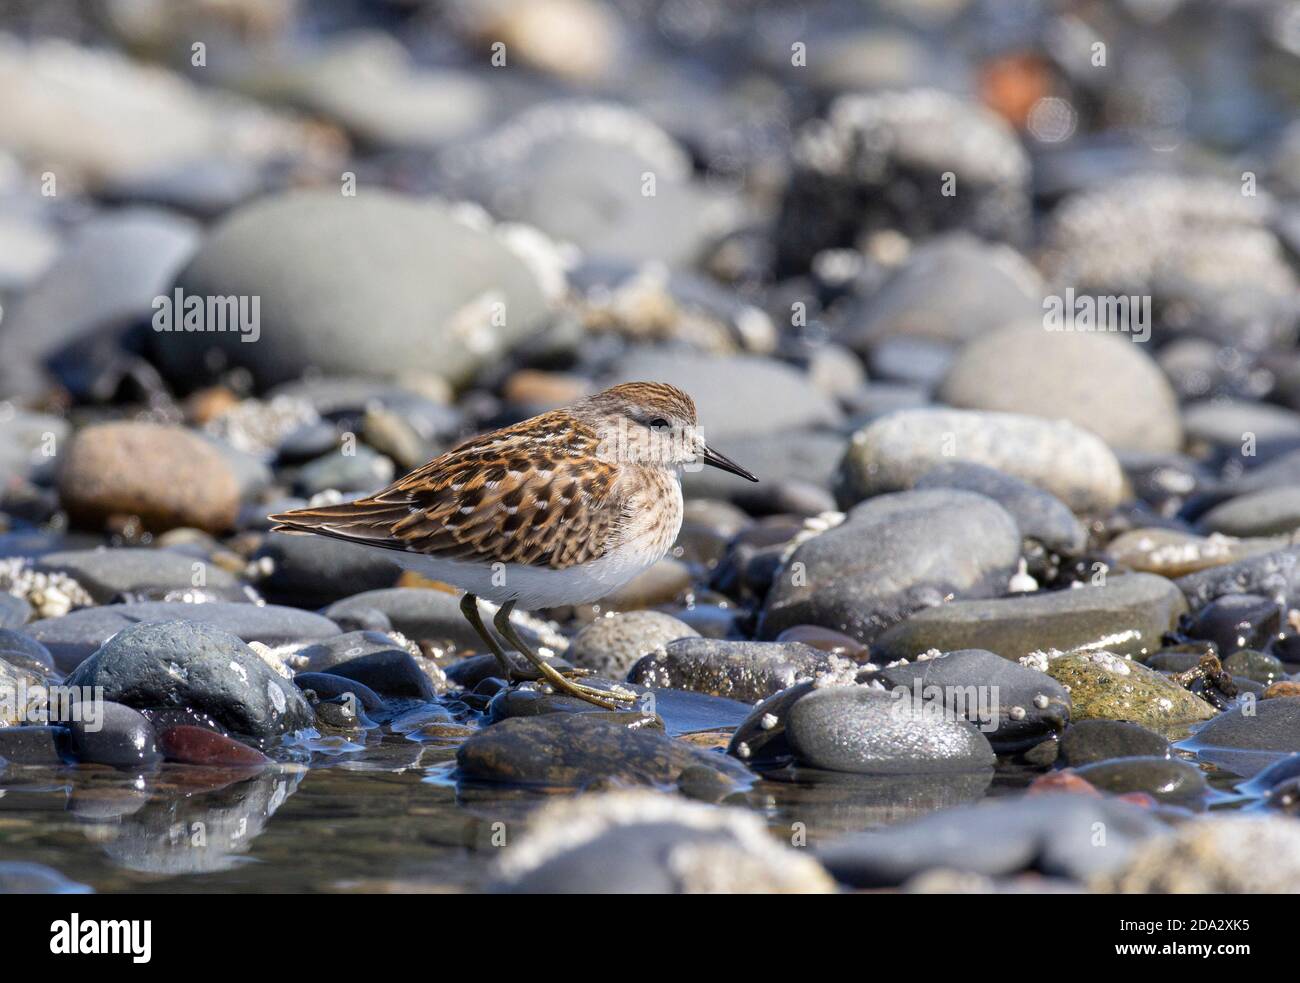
[746, 671]
[612, 645]
[574, 749]
[892, 556]
[642, 843]
[166, 475]
[188, 664]
[1128, 615]
[1104, 685]
[1057, 456]
[1222, 854]
[1092, 379]
[863, 730]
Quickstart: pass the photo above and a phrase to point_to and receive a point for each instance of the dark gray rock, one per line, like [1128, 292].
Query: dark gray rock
[1055, 835]
[393, 673]
[1269, 512]
[106, 573]
[199, 666]
[745, 671]
[119, 736]
[862, 730]
[575, 749]
[73, 637]
[363, 470]
[1258, 725]
[892, 556]
[1236, 621]
[314, 571]
[1040, 516]
[1258, 667]
[1087, 741]
[1170, 780]
[327, 686]
[1129, 614]
[1013, 706]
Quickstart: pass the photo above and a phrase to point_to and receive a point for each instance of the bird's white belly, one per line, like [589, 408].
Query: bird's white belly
[534, 587]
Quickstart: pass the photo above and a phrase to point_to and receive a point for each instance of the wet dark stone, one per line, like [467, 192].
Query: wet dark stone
[392, 673]
[517, 702]
[1261, 725]
[327, 686]
[123, 738]
[574, 749]
[1236, 621]
[760, 740]
[35, 745]
[1173, 660]
[969, 680]
[745, 671]
[1088, 741]
[861, 730]
[313, 571]
[200, 746]
[188, 664]
[1170, 780]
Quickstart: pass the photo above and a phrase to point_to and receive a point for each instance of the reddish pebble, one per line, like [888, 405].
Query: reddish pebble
[1061, 781]
[199, 746]
[1139, 799]
[827, 640]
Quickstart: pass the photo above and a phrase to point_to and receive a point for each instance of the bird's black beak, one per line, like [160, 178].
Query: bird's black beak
[725, 463]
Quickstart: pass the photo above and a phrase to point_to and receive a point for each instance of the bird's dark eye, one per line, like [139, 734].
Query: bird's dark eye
[659, 423]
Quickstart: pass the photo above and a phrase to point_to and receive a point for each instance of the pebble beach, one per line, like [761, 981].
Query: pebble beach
[1000, 302]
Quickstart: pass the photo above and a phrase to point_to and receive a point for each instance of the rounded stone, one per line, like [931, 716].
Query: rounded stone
[1088, 741]
[166, 475]
[187, 664]
[376, 284]
[117, 736]
[867, 731]
[612, 645]
[1104, 383]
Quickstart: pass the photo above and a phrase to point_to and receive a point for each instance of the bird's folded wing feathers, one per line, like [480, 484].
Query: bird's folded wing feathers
[492, 499]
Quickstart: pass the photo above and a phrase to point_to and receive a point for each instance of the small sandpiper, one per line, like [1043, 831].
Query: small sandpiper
[563, 508]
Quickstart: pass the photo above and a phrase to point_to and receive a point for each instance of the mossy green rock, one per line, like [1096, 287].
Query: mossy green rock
[1105, 686]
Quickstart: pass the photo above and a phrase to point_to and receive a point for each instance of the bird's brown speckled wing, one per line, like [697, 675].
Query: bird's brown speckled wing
[533, 494]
